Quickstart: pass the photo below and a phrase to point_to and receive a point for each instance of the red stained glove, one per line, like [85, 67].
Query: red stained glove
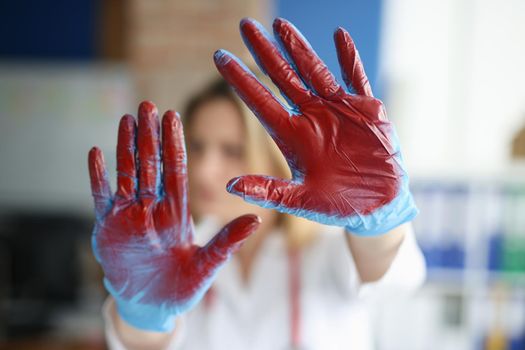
[342, 150]
[143, 235]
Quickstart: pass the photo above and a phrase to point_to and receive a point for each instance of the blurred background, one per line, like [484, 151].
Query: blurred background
[450, 73]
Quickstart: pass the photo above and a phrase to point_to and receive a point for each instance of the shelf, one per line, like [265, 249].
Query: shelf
[463, 278]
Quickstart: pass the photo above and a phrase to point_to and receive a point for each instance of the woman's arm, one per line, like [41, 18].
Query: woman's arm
[374, 255]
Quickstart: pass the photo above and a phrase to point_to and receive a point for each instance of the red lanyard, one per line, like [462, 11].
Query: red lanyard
[294, 265]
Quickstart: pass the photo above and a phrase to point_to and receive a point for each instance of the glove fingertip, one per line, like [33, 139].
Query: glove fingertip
[248, 222]
[240, 228]
[246, 21]
[235, 185]
[229, 239]
[147, 108]
[278, 23]
[221, 58]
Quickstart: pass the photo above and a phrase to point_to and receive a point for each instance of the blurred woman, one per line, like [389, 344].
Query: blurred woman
[292, 284]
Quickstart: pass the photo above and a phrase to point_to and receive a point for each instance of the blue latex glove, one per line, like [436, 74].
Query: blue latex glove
[143, 235]
[343, 152]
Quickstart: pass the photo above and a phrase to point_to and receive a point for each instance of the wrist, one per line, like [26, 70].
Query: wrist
[387, 218]
[136, 338]
[152, 318]
[148, 317]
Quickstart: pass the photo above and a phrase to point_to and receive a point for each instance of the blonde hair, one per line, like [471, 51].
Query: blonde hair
[260, 151]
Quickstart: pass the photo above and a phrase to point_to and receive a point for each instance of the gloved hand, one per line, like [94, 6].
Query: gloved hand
[143, 235]
[343, 152]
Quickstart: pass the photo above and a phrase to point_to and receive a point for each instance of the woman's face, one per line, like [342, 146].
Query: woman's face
[216, 146]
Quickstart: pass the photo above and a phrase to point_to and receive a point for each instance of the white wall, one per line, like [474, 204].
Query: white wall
[50, 116]
[455, 74]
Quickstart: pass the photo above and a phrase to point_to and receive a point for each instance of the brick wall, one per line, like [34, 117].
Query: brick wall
[170, 44]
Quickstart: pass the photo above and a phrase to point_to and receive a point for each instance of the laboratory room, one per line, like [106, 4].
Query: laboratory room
[262, 174]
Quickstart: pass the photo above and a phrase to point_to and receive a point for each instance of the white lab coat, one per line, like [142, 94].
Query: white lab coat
[333, 302]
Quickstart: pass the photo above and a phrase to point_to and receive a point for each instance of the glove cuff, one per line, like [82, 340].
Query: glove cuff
[146, 317]
[401, 210]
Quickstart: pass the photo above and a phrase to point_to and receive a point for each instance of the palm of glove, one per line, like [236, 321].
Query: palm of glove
[358, 175]
[136, 247]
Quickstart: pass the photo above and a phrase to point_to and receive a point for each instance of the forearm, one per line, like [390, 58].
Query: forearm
[374, 255]
[137, 339]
